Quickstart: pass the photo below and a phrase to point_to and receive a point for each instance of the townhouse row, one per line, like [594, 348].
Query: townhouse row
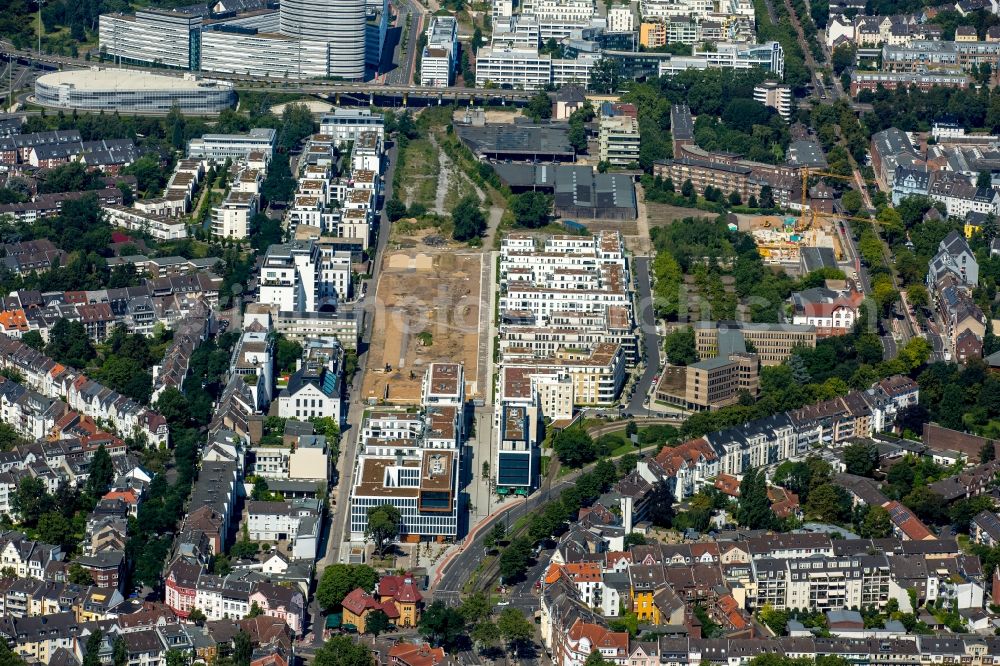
[54, 380]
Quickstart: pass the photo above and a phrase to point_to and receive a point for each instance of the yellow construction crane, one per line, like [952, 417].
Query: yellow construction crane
[805, 224]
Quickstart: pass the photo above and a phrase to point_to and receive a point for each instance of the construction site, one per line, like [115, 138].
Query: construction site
[780, 239]
[428, 309]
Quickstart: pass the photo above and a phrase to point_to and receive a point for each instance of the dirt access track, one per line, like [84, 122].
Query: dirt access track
[423, 288]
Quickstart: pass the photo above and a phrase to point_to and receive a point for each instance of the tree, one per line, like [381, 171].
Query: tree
[496, 534]
[984, 179]
[92, 655]
[31, 500]
[79, 576]
[102, 473]
[383, 526]
[34, 340]
[486, 635]
[776, 620]
[395, 209]
[877, 523]
[515, 629]
[119, 654]
[176, 658]
[606, 76]
[70, 344]
[574, 447]
[514, 559]
[927, 504]
[197, 616]
[53, 528]
[343, 651]
[661, 506]
[596, 659]
[680, 347]
[539, 107]
[687, 189]
[475, 608]
[242, 649]
[442, 625]
[988, 452]
[634, 539]
[766, 197]
[842, 57]
[377, 623]
[577, 136]
[531, 209]
[340, 579]
[852, 202]
[754, 510]
[829, 502]
[861, 458]
[917, 295]
[468, 219]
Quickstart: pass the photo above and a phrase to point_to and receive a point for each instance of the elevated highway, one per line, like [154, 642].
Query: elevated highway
[348, 93]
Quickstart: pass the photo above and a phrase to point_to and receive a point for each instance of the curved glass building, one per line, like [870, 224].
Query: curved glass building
[341, 24]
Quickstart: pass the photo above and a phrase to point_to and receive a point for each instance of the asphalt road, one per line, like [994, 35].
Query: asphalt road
[650, 338]
[348, 452]
[406, 55]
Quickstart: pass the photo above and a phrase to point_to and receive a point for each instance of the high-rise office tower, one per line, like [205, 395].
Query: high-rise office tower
[341, 24]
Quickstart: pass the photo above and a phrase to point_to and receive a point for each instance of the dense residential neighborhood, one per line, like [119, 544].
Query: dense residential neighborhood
[567, 333]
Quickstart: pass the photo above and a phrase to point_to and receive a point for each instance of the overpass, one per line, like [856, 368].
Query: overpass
[347, 93]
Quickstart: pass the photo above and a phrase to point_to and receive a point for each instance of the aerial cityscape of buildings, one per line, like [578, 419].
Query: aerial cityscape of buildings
[543, 332]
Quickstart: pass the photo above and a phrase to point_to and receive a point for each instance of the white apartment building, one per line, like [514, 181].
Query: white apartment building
[501, 10]
[160, 228]
[276, 521]
[574, 70]
[334, 273]
[289, 276]
[440, 55]
[669, 8]
[315, 389]
[270, 462]
[576, 11]
[769, 56]
[345, 125]
[776, 96]
[231, 218]
[516, 68]
[597, 376]
[234, 146]
[621, 19]
[518, 31]
[366, 154]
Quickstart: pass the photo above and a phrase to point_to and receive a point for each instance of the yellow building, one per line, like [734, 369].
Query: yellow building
[653, 35]
[644, 582]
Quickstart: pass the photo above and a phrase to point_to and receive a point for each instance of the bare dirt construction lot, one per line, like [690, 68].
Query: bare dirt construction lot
[428, 307]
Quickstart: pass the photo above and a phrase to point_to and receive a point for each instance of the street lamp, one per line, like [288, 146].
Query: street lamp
[40, 27]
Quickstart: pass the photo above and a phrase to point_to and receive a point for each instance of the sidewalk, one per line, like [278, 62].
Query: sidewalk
[469, 538]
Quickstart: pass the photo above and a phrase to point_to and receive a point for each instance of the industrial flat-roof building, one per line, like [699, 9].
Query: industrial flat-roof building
[546, 142]
[578, 191]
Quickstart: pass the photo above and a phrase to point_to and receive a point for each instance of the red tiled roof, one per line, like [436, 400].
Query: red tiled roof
[411, 654]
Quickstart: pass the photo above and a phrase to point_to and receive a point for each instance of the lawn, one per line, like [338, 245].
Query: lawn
[420, 173]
